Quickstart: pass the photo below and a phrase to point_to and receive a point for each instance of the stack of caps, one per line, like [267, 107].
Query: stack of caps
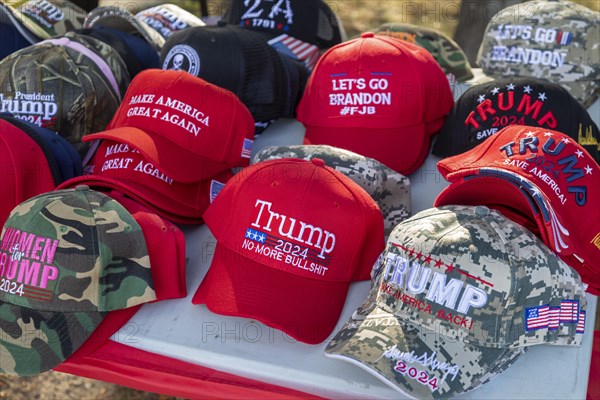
[296, 28]
[485, 109]
[29, 21]
[379, 97]
[269, 84]
[446, 51]
[34, 161]
[285, 254]
[541, 179]
[459, 294]
[171, 144]
[71, 256]
[71, 85]
[389, 189]
[552, 40]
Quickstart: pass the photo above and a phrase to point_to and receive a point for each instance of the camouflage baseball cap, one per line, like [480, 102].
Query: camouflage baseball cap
[458, 293]
[121, 19]
[66, 259]
[46, 18]
[389, 189]
[168, 18]
[552, 40]
[446, 51]
[59, 84]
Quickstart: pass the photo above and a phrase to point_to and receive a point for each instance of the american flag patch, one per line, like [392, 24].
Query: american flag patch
[564, 38]
[581, 323]
[537, 318]
[297, 49]
[569, 311]
[215, 189]
[247, 148]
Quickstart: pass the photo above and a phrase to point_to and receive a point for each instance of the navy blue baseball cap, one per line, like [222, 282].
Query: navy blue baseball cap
[63, 159]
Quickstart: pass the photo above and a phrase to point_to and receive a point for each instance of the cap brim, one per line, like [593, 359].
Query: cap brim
[401, 149]
[162, 205]
[175, 161]
[35, 341]
[305, 309]
[405, 356]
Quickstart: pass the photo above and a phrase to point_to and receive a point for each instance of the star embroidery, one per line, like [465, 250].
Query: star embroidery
[450, 268]
[495, 90]
[542, 96]
[411, 253]
[438, 263]
[262, 238]
[566, 140]
[248, 234]
[427, 259]
[579, 153]
[254, 235]
[419, 255]
[588, 170]
[511, 86]
[536, 192]
[481, 98]
[530, 134]
[527, 89]
[548, 134]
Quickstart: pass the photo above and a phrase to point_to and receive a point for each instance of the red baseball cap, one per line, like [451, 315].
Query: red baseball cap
[166, 249]
[187, 127]
[540, 178]
[291, 236]
[379, 97]
[24, 169]
[118, 166]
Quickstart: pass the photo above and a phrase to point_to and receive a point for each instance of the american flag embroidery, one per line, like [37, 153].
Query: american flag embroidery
[569, 311]
[581, 323]
[553, 318]
[563, 37]
[215, 189]
[537, 318]
[297, 49]
[247, 148]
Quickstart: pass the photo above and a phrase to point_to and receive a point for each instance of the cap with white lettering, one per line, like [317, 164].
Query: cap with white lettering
[291, 236]
[458, 293]
[549, 39]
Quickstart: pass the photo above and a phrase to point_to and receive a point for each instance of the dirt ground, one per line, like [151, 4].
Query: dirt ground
[357, 16]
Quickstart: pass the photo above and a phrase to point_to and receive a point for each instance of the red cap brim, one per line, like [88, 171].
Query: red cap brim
[176, 161]
[402, 149]
[306, 309]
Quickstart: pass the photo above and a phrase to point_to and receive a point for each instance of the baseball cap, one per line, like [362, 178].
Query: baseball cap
[311, 21]
[447, 52]
[137, 54]
[389, 189]
[485, 109]
[541, 176]
[237, 60]
[25, 170]
[118, 166]
[459, 292]
[63, 159]
[284, 256]
[45, 18]
[59, 87]
[168, 18]
[72, 256]
[552, 40]
[379, 97]
[121, 19]
[12, 39]
[190, 129]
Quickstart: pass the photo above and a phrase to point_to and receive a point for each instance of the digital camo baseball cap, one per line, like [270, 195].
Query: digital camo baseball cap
[552, 40]
[67, 258]
[459, 292]
[389, 189]
[167, 19]
[43, 19]
[122, 19]
[285, 252]
[539, 178]
[62, 85]
[446, 51]
[487, 108]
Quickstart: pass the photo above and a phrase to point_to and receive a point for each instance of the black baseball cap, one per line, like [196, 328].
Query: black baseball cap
[312, 21]
[486, 108]
[240, 61]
